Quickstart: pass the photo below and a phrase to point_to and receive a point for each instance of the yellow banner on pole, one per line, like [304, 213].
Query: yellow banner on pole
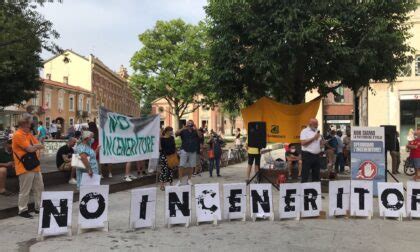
[284, 122]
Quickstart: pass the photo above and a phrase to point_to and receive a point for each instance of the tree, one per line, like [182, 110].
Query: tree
[172, 64]
[282, 49]
[23, 34]
[232, 110]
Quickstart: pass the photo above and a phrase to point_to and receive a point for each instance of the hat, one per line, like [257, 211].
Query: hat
[86, 134]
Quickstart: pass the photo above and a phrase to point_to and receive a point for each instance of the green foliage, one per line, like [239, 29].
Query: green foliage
[283, 49]
[23, 34]
[172, 64]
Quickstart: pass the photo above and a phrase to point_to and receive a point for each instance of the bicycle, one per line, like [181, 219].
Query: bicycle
[409, 169]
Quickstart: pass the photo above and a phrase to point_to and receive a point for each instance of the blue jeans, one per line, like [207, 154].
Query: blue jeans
[340, 162]
[213, 162]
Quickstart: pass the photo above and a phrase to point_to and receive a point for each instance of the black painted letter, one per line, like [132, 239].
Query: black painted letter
[182, 206]
[340, 197]
[256, 198]
[309, 196]
[361, 192]
[143, 206]
[289, 199]
[233, 208]
[83, 205]
[50, 209]
[415, 199]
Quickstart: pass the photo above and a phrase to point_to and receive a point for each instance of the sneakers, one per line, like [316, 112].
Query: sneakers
[26, 215]
[72, 181]
[189, 182]
[109, 175]
[178, 183]
[127, 179]
[132, 177]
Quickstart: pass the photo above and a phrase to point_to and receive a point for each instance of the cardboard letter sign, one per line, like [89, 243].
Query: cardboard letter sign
[143, 208]
[289, 203]
[207, 200]
[361, 198]
[93, 206]
[339, 196]
[234, 198]
[261, 200]
[55, 213]
[178, 204]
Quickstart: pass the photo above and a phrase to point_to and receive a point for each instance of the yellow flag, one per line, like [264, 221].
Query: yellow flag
[284, 122]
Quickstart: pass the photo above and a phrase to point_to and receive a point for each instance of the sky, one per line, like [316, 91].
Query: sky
[109, 29]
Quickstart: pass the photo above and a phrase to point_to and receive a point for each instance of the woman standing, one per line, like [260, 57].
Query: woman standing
[167, 145]
[85, 150]
[94, 129]
[215, 153]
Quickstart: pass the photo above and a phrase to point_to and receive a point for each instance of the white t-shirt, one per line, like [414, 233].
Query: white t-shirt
[315, 146]
[53, 128]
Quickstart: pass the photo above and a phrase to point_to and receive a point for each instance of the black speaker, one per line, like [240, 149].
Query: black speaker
[390, 137]
[257, 135]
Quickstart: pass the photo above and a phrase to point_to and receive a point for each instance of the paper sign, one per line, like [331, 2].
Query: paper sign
[178, 204]
[88, 180]
[289, 203]
[310, 200]
[361, 198]
[391, 199]
[234, 198]
[207, 199]
[261, 200]
[93, 206]
[143, 208]
[339, 197]
[55, 213]
[413, 199]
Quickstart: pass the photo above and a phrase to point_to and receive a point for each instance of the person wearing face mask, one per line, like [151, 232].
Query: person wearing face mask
[85, 150]
[414, 147]
[293, 158]
[95, 144]
[190, 137]
[311, 141]
[167, 148]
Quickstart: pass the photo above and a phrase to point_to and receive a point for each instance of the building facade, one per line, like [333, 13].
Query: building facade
[66, 104]
[110, 89]
[396, 103]
[210, 118]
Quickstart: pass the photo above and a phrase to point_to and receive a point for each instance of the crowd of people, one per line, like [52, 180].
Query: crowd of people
[21, 154]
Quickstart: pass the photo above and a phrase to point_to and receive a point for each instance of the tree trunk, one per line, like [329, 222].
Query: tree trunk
[177, 121]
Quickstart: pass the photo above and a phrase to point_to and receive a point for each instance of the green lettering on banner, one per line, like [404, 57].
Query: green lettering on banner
[124, 124]
[113, 122]
[152, 143]
[119, 149]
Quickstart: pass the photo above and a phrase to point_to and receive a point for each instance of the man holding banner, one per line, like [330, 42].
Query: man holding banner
[311, 141]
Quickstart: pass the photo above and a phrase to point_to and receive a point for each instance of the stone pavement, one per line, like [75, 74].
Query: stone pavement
[341, 234]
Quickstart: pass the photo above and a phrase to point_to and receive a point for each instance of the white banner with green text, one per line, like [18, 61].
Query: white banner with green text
[126, 139]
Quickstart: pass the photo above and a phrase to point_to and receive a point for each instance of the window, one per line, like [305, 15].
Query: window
[48, 76]
[71, 121]
[48, 100]
[88, 105]
[406, 70]
[71, 103]
[66, 80]
[60, 101]
[80, 103]
[417, 65]
[339, 98]
[35, 100]
[47, 122]
[161, 109]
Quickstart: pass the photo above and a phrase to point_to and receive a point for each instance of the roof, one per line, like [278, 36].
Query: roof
[67, 50]
[65, 86]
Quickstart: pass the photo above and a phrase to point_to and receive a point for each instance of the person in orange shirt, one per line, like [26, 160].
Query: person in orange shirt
[29, 179]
